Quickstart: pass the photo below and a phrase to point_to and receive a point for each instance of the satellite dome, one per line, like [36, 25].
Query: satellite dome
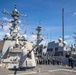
[24, 36]
[19, 21]
[16, 10]
[65, 42]
[60, 39]
[7, 34]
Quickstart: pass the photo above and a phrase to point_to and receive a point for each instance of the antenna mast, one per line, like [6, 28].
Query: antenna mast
[63, 24]
[14, 29]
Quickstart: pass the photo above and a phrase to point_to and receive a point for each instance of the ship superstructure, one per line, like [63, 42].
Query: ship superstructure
[17, 50]
[13, 42]
[13, 38]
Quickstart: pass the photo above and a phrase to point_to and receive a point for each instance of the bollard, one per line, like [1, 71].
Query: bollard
[38, 70]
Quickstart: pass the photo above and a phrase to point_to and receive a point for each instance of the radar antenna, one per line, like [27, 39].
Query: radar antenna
[14, 29]
[38, 29]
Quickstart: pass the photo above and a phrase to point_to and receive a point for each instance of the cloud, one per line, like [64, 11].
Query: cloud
[70, 41]
[74, 13]
[6, 23]
[53, 28]
[19, 21]
[32, 38]
[5, 19]
[6, 27]
[2, 34]
[67, 36]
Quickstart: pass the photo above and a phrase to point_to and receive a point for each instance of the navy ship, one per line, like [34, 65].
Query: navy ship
[17, 51]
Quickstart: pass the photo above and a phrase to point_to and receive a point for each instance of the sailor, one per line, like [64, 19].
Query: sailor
[53, 61]
[72, 62]
[69, 61]
[15, 72]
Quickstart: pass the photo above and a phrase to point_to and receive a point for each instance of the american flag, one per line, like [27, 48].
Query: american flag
[1, 25]
[25, 32]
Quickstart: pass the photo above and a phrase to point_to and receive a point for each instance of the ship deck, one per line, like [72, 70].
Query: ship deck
[42, 70]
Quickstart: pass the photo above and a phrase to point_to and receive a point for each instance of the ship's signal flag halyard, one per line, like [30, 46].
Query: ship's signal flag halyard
[1, 26]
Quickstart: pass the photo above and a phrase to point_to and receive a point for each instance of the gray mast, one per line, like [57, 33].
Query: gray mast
[63, 24]
[38, 33]
[39, 28]
[63, 30]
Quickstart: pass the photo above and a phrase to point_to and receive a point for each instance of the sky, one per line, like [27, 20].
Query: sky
[50, 14]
